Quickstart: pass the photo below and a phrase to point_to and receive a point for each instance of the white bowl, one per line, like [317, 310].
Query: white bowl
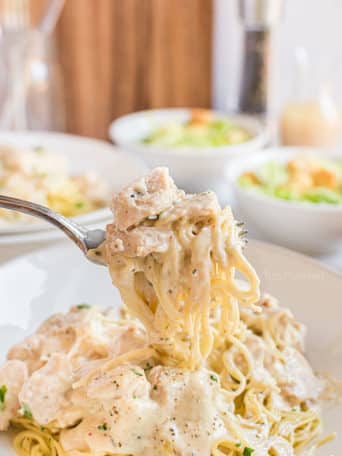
[310, 290]
[193, 168]
[306, 227]
[83, 155]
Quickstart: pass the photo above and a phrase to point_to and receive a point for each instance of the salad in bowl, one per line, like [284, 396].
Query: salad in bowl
[291, 196]
[309, 178]
[196, 145]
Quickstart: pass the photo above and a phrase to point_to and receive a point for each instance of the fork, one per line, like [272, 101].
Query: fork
[85, 239]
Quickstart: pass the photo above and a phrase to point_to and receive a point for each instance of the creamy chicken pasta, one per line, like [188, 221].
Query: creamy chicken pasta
[196, 365]
[42, 177]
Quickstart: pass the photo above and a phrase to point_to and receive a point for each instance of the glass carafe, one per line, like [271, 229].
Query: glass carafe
[311, 116]
[34, 91]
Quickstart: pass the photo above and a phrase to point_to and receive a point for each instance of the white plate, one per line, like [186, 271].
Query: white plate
[53, 234]
[83, 154]
[53, 279]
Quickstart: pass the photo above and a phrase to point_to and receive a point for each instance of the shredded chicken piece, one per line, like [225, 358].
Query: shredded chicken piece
[44, 392]
[13, 375]
[148, 196]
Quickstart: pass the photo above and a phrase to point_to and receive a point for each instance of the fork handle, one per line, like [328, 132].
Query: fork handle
[75, 232]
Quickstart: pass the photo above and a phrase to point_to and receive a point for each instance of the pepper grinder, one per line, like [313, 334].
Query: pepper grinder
[258, 18]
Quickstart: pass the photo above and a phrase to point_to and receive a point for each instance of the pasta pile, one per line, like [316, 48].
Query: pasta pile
[198, 365]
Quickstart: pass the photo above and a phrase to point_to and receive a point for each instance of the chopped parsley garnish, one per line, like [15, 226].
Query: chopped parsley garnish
[102, 427]
[247, 451]
[83, 305]
[26, 412]
[213, 378]
[238, 445]
[79, 204]
[139, 374]
[3, 391]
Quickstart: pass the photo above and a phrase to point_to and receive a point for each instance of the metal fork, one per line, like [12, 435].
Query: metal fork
[85, 239]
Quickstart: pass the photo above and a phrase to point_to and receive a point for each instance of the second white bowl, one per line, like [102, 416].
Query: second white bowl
[306, 227]
[193, 168]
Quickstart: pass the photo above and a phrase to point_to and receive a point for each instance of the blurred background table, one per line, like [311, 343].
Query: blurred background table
[121, 56]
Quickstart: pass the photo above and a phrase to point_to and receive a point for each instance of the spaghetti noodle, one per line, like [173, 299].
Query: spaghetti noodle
[207, 368]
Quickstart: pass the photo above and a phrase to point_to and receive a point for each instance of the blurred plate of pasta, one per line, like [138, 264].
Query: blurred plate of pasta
[72, 175]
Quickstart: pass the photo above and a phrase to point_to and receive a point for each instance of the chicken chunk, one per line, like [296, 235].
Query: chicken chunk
[121, 398]
[278, 322]
[12, 377]
[295, 377]
[140, 411]
[195, 426]
[55, 335]
[148, 196]
[198, 207]
[44, 392]
[139, 242]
